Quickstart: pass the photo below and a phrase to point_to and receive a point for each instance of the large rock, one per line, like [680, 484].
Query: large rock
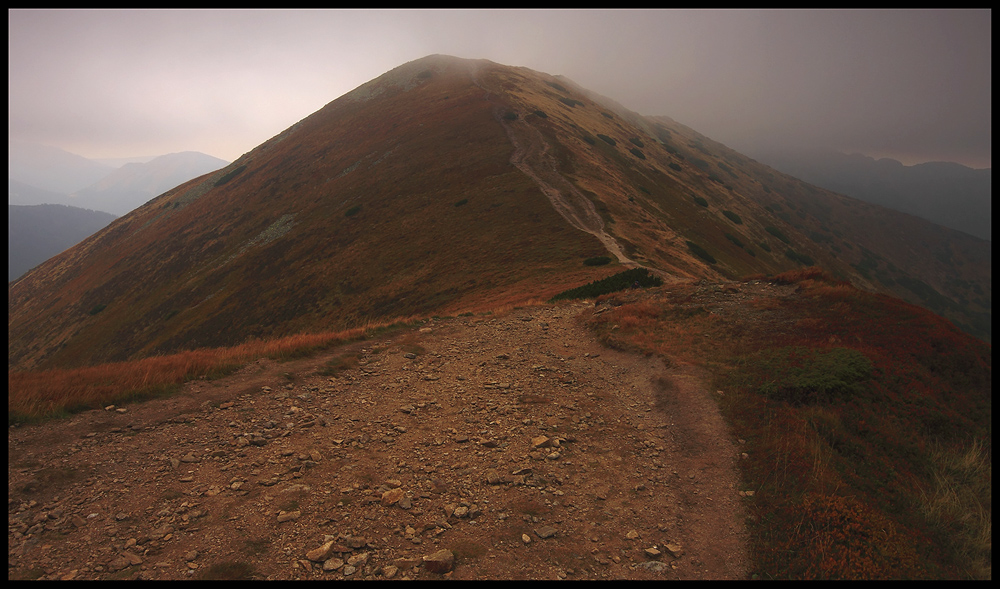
[440, 562]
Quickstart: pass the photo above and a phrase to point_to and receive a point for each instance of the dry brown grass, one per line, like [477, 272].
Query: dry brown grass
[960, 504]
[50, 393]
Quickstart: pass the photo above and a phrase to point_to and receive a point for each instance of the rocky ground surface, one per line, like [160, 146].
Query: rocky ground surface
[509, 446]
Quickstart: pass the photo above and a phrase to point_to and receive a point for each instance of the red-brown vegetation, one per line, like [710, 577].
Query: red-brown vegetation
[41, 394]
[844, 470]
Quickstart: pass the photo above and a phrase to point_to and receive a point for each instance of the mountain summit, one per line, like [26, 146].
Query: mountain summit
[449, 185]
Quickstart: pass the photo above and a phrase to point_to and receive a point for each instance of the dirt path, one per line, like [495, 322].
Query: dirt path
[532, 156]
[516, 442]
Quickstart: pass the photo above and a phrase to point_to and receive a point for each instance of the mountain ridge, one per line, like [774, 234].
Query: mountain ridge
[405, 196]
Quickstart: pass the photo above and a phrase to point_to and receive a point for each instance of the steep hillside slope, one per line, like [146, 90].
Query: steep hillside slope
[448, 185]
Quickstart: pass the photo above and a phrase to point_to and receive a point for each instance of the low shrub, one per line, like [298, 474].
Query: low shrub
[614, 283]
[230, 175]
[674, 166]
[777, 233]
[607, 139]
[635, 151]
[353, 211]
[733, 217]
[700, 201]
[598, 261]
[808, 376]
[800, 258]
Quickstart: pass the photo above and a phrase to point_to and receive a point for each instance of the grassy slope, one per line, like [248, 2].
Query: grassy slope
[866, 420]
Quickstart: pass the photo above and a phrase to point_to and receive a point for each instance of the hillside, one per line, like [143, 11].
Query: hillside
[448, 185]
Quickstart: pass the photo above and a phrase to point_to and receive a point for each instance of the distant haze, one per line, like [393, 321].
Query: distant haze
[914, 85]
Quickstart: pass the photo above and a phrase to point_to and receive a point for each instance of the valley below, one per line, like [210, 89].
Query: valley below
[506, 446]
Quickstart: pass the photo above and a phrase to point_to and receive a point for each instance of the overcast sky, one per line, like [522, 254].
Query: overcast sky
[912, 85]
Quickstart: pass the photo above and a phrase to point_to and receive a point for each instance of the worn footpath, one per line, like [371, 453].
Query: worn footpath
[507, 446]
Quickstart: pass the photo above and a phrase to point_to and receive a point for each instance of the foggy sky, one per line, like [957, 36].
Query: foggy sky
[911, 85]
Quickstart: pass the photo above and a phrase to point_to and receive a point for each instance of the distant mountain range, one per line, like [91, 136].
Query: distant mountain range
[46, 175]
[945, 193]
[51, 169]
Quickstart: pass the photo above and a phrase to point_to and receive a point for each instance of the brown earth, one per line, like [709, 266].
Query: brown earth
[514, 441]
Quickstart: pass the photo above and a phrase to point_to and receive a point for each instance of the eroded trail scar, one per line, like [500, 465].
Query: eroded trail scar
[531, 156]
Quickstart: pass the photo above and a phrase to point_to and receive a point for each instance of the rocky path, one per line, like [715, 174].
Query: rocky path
[489, 447]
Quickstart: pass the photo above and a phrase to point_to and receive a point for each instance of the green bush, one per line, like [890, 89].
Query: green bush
[607, 139]
[734, 239]
[589, 139]
[700, 201]
[541, 114]
[461, 202]
[608, 115]
[614, 283]
[598, 261]
[800, 376]
[763, 245]
[353, 211]
[777, 233]
[674, 166]
[97, 309]
[510, 116]
[638, 142]
[733, 217]
[700, 252]
[635, 151]
[570, 102]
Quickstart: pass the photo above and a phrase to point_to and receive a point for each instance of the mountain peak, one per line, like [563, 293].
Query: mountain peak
[445, 185]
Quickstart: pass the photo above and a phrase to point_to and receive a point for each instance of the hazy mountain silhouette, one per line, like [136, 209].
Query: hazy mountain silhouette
[945, 193]
[450, 185]
[135, 183]
[35, 233]
[51, 168]
[19, 193]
